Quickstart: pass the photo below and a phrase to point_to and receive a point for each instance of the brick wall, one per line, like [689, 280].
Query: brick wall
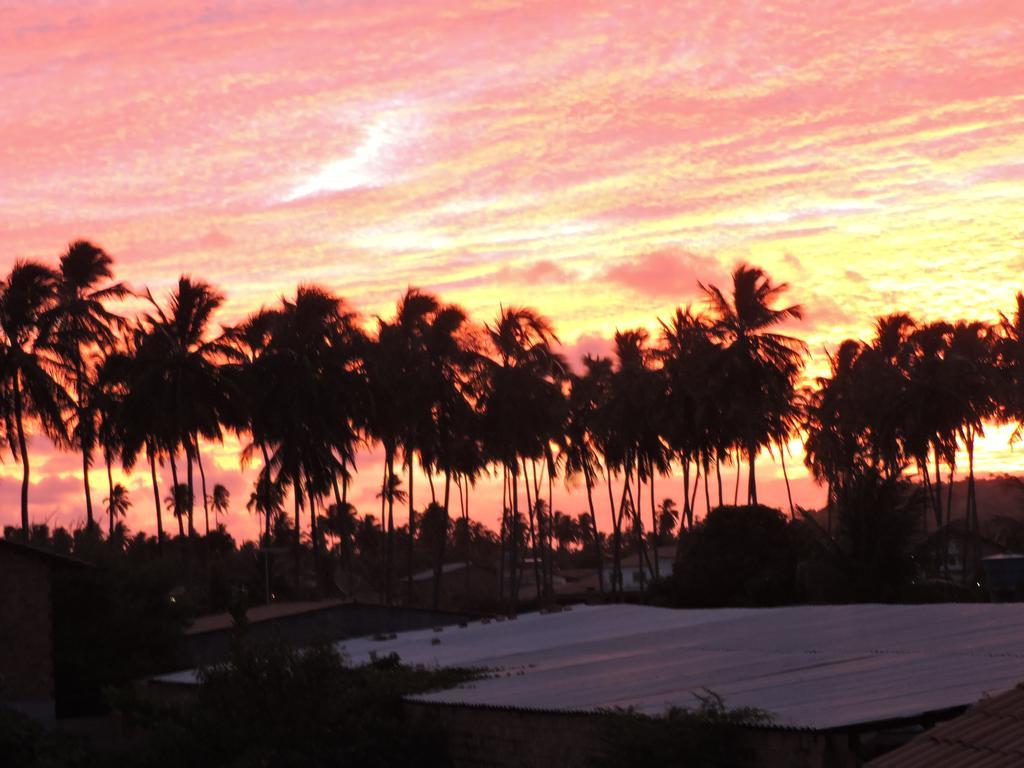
[26, 641]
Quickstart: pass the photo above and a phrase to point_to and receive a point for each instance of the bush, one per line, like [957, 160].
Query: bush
[710, 736]
[279, 708]
[737, 556]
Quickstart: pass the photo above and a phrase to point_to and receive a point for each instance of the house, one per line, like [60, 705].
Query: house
[27, 627]
[463, 585]
[638, 572]
[991, 733]
[839, 682]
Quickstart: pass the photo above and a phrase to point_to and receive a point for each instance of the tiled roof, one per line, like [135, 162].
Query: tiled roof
[989, 735]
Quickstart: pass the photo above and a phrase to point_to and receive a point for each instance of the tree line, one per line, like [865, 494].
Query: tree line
[306, 384]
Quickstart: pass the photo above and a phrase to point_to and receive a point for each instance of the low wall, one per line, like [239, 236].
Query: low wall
[490, 737]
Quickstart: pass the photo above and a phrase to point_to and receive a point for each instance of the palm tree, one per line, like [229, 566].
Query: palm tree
[521, 405]
[179, 503]
[181, 367]
[311, 400]
[267, 500]
[341, 522]
[667, 517]
[759, 366]
[699, 421]
[81, 326]
[118, 505]
[31, 372]
[632, 423]
[220, 500]
[579, 443]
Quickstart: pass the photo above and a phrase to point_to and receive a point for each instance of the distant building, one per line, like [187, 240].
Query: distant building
[27, 627]
[208, 639]
[639, 571]
[463, 585]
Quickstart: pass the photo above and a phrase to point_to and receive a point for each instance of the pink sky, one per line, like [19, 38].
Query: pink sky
[591, 159]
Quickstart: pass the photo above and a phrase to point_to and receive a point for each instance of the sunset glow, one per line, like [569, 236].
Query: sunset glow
[592, 160]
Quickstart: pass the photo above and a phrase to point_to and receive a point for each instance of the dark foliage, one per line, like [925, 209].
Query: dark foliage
[737, 556]
[708, 736]
[276, 708]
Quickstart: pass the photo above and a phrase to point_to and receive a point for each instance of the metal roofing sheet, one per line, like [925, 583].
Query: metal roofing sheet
[810, 666]
[989, 735]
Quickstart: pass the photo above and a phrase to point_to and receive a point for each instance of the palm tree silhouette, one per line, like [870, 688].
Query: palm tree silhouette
[311, 400]
[82, 326]
[579, 448]
[117, 504]
[184, 363]
[179, 503]
[519, 404]
[759, 366]
[31, 371]
[220, 500]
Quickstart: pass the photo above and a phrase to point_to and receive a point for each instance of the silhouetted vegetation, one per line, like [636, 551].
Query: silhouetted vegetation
[709, 735]
[307, 383]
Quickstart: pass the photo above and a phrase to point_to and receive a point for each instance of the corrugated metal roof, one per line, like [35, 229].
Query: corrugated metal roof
[990, 734]
[811, 666]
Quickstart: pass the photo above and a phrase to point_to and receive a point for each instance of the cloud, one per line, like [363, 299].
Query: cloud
[542, 271]
[854, 276]
[665, 273]
[214, 239]
[593, 344]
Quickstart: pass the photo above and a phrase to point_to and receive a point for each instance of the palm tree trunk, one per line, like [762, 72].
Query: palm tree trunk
[752, 476]
[297, 501]
[174, 493]
[938, 491]
[654, 517]
[971, 513]
[156, 498]
[89, 522]
[514, 543]
[593, 521]
[266, 468]
[615, 543]
[707, 493]
[638, 523]
[785, 475]
[410, 596]
[687, 516]
[442, 540]
[191, 487]
[739, 464]
[110, 497]
[389, 566]
[617, 524]
[540, 530]
[502, 533]
[533, 530]
[718, 476]
[23, 453]
[202, 482]
[550, 528]
[86, 458]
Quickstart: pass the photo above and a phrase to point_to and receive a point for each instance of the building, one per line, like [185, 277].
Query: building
[208, 639]
[990, 735]
[638, 572]
[841, 684]
[27, 627]
[463, 585]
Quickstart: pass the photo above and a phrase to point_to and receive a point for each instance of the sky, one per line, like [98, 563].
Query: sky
[592, 160]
